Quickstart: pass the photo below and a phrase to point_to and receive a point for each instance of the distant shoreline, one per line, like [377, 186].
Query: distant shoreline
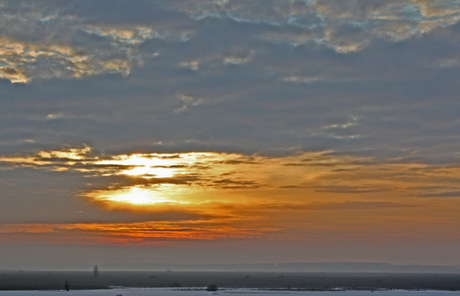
[282, 281]
[313, 267]
[225, 292]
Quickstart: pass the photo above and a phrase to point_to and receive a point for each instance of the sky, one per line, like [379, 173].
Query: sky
[139, 133]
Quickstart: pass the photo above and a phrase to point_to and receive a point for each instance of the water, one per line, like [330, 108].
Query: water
[226, 292]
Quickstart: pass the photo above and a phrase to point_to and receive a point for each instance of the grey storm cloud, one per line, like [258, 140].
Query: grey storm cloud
[354, 76]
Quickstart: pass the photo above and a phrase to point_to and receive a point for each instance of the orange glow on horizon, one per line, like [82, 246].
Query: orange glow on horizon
[306, 196]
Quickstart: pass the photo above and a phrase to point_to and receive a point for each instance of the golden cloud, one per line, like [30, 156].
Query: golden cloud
[18, 59]
[306, 195]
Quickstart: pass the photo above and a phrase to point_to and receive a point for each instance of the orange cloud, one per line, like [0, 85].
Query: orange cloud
[304, 196]
[148, 232]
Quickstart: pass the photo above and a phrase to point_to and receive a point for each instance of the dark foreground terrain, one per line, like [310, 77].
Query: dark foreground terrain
[43, 280]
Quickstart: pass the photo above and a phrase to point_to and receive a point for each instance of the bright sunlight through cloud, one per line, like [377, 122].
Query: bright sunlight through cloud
[135, 195]
[305, 195]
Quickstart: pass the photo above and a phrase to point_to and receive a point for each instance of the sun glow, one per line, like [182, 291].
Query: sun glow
[146, 166]
[134, 196]
[149, 172]
[156, 180]
[162, 179]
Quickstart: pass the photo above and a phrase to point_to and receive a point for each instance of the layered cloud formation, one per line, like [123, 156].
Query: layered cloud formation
[201, 120]
[209, 196]
[42, 40]
[359, 76]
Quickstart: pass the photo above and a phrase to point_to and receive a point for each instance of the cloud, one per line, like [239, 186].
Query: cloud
[441, 8]
[294, 122]
[270, 78]
[187, 102]
[350, 189]
[76, 46]
[435, 191]
[146, 233]
[442, 194]
[359, 206]
[46, 42]
[235, 184]
[13, 75]
[23, 61]
[170, 232]
[320, 206]
[345, 26]
[192, 65]
[173, 179]
[151, 198]
[238, 59]
[52, 116]
[123, 36]
[303, 79]
[350, 123]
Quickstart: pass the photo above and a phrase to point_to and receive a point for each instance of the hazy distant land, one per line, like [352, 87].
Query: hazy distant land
[294, 281]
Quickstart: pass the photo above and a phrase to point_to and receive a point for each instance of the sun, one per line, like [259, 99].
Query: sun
[155, 180]
[137, 196]
[145, 166]
[149, 172]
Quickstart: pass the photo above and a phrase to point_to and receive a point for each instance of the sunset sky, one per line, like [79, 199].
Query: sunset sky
[146, 133]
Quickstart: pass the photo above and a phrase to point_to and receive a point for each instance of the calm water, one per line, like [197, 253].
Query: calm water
[230, 292]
